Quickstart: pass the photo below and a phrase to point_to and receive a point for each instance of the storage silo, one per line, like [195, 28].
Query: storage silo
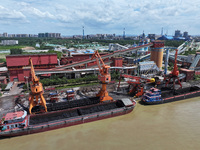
[157, 53]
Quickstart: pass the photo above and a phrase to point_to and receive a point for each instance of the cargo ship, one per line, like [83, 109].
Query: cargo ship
[157, 96]
[21, 123]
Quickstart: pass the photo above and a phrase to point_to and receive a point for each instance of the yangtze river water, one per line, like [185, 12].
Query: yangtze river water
[170, 126]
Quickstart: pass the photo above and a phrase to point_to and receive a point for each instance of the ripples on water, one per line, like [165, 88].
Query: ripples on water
[172, 126]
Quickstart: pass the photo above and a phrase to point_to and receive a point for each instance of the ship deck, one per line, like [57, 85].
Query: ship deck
[74, 112]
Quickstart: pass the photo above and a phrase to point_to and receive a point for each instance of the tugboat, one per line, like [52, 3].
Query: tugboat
[156, 96]
[153, 96]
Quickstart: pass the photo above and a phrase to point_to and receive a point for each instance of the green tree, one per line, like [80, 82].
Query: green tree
[2, 60]
[173, 43]
[59, 54]
[15, 51]
[2, 86]
[196, 77]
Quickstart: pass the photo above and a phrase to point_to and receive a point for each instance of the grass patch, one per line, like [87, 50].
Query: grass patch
[7, 47]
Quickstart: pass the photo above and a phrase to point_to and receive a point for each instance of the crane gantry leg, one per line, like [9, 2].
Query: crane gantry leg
[34, 102]
[103, 94]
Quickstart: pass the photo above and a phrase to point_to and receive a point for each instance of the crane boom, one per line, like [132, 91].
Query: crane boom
[136, 84]
[33, 76]
[36, 91]
[175, 71]
[174, 74]
[102, 69]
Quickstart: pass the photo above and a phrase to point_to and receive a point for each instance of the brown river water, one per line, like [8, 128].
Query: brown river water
[170, 126]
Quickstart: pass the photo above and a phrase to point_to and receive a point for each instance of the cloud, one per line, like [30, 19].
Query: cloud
[28, 9]
[107, 16]
[7, 16]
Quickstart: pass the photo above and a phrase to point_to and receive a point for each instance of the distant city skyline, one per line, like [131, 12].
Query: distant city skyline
[101, 16]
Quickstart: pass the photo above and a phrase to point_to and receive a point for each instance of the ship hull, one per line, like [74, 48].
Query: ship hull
[31, 129]
[173, 98]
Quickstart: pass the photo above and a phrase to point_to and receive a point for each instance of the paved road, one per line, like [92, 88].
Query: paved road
[15, 90]
[7, 101]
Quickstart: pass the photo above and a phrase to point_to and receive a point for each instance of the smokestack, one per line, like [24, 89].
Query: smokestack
[124, 34]
[83, 32]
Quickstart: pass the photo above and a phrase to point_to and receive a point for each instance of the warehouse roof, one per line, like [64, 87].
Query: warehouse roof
[165, 37]
[37, 59]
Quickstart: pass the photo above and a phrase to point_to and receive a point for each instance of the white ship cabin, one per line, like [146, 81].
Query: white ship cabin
[14, 120]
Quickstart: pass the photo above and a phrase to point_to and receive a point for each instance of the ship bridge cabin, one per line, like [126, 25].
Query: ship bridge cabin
[14, 120]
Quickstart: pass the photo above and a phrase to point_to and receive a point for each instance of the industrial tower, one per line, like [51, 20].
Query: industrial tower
[157, 53]
[124, 34]
[83, 32]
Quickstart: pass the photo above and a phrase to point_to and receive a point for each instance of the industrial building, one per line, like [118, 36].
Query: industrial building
[189, 74]
[185, 34]
[177, 36]
[19, 71]
[151, 36]
[72, 58]
[178, 33]
[9, 42]
[165, 37]
[18, 65]
[3, 73]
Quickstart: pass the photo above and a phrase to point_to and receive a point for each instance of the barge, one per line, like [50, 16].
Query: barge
[20, 123]
[157, 96]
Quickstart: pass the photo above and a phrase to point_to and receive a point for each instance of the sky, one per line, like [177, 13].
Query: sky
[99, 16]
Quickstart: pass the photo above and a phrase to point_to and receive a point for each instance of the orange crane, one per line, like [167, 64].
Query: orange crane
[174, 73]
[136, 84]
[104, 78]
[36, 91]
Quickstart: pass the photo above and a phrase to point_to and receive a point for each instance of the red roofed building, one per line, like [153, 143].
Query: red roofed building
[18, 65]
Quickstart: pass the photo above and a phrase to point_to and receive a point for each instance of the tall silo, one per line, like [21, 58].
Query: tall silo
[157, 53]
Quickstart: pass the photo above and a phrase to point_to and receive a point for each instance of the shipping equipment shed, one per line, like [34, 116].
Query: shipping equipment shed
[189, 74]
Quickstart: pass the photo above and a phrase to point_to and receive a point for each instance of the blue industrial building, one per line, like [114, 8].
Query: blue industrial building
[165, 37]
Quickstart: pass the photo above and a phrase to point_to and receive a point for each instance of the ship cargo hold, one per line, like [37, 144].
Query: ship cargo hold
[20, 123]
